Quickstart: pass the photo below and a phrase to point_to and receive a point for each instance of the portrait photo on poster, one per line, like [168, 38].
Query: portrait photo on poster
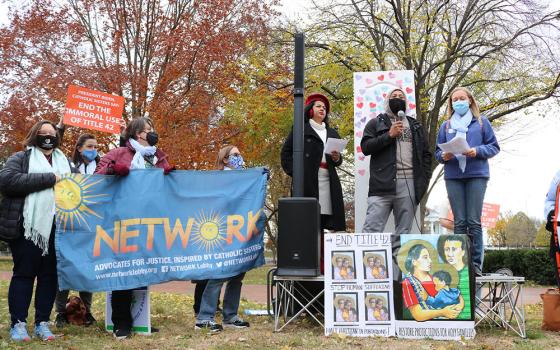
[435, 278]
[345, 309]
[343, 266]
[375, 265]
[377, 307]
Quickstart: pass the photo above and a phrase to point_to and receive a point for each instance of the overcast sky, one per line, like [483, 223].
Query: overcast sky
[530, 149]
[522, 171]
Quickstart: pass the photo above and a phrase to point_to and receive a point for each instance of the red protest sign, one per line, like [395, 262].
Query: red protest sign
[91, 109]
[489, 216]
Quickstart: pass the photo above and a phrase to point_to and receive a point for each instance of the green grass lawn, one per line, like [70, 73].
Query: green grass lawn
[257, 276]
[172, 313]
[6, 263]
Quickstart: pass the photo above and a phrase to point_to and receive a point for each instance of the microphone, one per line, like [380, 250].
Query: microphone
[400, 115]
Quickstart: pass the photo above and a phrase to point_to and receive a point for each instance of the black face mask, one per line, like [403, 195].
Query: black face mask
[152, 138]
[396, 105]
[47, 142]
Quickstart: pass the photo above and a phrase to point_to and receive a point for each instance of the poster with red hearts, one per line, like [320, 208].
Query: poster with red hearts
[370, 93]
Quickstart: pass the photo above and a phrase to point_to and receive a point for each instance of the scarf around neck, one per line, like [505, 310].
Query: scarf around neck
[39, 207]
[461, 126]
[138, 161]
[321, 130]
[87, 168]
[316, 125]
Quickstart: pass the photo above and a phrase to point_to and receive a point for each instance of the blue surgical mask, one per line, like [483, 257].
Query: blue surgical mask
[236, 161]
[89, 154]
[461, 107]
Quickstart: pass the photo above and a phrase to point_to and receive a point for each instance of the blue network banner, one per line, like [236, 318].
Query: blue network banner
[117, 233]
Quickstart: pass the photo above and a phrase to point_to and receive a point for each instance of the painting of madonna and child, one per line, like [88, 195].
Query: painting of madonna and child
[435, 278]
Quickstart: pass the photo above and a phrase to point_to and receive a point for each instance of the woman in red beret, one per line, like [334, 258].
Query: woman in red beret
[321, 179]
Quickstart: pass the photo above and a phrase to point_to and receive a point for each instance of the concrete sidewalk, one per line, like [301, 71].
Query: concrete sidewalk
[257, 293]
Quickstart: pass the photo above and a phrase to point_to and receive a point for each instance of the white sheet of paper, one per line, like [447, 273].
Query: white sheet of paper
[335, 145]
[457, 145]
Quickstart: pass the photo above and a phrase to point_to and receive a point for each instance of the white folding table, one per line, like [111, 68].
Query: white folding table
[499, 302]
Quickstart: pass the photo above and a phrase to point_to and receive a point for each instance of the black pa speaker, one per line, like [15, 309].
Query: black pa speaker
[299, 234]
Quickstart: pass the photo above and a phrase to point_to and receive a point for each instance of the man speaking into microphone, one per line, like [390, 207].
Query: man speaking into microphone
[399, 168]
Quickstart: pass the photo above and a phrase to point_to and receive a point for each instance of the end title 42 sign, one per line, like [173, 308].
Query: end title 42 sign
[91, 109]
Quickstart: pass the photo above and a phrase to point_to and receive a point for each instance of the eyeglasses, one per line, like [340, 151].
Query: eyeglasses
[234, 155]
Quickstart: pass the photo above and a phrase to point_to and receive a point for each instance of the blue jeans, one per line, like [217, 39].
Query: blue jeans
[466, 197]
[230, 304]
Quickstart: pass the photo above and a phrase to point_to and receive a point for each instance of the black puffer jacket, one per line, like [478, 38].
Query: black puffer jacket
[383, 163]
[15, 185]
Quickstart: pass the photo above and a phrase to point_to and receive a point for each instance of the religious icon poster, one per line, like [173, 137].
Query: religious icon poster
[409, 286]
[434, 292]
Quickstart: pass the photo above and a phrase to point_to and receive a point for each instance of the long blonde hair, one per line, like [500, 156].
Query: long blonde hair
[223, 154]
[475, 110]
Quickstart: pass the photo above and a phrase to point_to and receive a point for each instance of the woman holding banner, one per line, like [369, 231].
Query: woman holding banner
[85, 159]
[140, 153]
[229, 158]
[467, 174]
[27, 215]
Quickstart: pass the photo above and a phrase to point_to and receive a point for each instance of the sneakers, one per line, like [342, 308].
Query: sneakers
[209, 325]
[19, 332]
[42, 331]
[237, 323]
[61, 320]
[89, 319]
[122, 333]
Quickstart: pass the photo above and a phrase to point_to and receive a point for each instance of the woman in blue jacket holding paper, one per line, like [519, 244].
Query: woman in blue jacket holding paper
[467, 174]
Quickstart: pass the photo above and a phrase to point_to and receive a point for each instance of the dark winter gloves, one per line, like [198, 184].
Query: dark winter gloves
[168, 168]
[550, 221]
[121, 169]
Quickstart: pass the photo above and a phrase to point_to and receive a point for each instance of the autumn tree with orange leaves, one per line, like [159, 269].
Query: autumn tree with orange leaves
[173, 61]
